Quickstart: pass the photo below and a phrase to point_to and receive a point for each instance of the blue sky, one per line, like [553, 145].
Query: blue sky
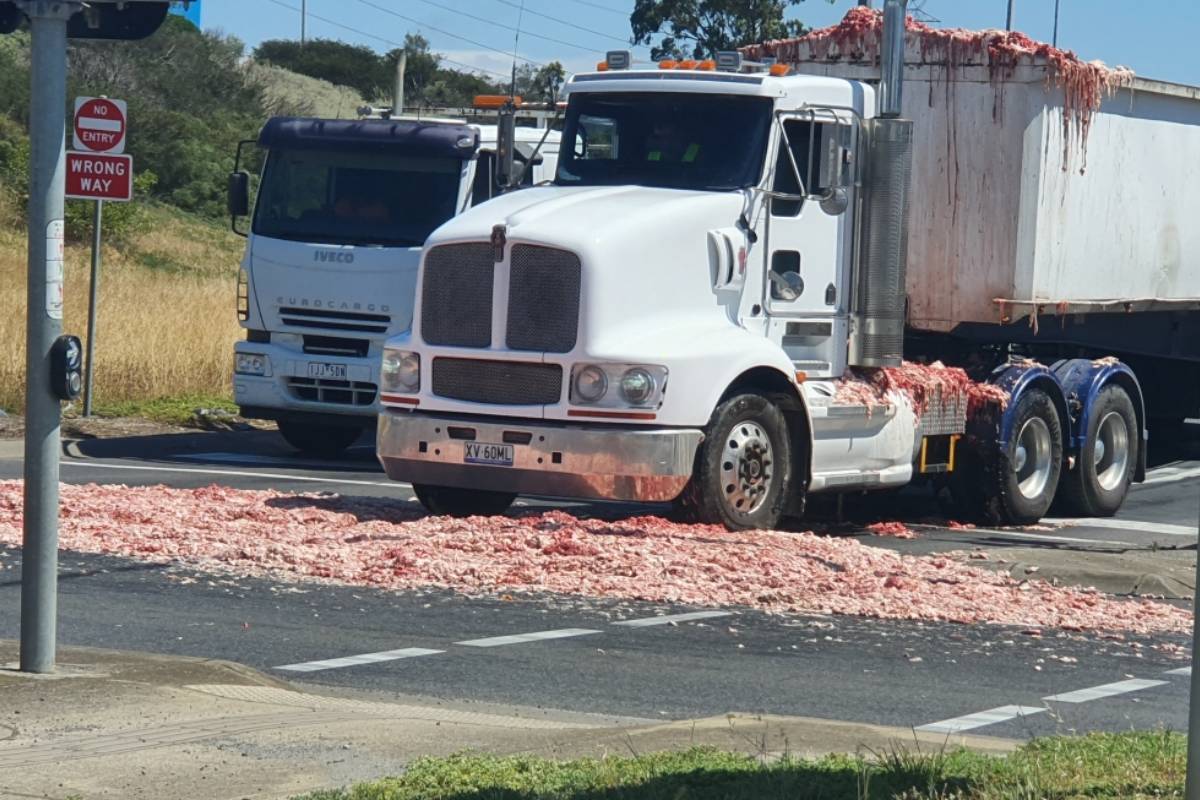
[1154, 37]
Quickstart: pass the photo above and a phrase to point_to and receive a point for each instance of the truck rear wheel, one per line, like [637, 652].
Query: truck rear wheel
[1101, 478]
[1021, 486]
[455, 502]
[315, 439]
[743, 470]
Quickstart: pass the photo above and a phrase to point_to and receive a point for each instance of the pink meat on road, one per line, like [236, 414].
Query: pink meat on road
[391, 545]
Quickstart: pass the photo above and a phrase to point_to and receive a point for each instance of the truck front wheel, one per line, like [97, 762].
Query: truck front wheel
[1098, 484]
[1023, 482]
[743, 470]
[315, 439]
[455, 502]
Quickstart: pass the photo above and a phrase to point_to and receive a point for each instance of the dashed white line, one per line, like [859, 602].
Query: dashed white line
[364, 658]
[1104, 690]
[1170, 475]
[1186, 671]
[258, 459]
[521, 638]
[980, 719]
[67, 462]
[1128, 525]
[646, 622]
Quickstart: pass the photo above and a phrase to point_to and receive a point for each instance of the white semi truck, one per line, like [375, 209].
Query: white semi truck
[718, 301]
[343, 207]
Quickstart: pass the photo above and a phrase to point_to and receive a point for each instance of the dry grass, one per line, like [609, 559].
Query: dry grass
[166, 319]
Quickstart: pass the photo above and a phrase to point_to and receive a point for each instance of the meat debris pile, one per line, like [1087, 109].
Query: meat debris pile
[389, 544]
[859, 37]
[921, 384]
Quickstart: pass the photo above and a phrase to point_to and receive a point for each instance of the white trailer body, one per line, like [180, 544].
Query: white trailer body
[1008, 217]
[319, 295]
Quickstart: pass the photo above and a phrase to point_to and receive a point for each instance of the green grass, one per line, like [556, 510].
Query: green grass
[1096, 767]
[167, 410]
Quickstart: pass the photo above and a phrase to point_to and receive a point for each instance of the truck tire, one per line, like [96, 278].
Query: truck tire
[1020, 484]
[326, 441]
[451, 501]
[743, 470]
[1104, 470]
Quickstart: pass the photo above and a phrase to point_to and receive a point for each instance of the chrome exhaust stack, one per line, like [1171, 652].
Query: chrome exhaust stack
[877, 335]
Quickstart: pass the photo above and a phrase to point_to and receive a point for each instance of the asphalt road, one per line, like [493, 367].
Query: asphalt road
[442, 645]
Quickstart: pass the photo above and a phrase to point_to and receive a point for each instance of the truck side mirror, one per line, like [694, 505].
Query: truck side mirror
[66, 367]
[238, 200]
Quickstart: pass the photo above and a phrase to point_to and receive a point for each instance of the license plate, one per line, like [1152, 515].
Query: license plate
[334, 371]
[497, 455]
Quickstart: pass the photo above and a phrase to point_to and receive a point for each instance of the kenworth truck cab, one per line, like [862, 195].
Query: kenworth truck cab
[708, 307]
[343, 207]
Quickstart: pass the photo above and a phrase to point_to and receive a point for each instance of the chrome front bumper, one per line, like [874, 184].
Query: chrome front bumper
[556, 459]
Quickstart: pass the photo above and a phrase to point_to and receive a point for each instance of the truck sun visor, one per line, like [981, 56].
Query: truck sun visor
[413, 137]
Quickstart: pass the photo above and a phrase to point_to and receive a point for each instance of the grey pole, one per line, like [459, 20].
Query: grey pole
[1054, 41]
[43, 414]
[1008, 24]
[303, 19]
[1192, 784]
[93, 292]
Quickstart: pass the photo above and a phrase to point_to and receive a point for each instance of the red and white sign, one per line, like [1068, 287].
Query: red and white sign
[99, 125]
[97, 176]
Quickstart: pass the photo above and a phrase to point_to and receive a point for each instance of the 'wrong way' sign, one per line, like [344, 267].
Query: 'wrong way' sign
[97, 176]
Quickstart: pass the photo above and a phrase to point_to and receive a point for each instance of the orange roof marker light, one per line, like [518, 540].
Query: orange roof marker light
[687, 63]
[496, 101]
[707, 65]
[668, 63]
[779, 70]
[617, 59]
[602, 66]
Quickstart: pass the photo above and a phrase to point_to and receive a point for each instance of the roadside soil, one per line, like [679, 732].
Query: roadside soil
[13, 427]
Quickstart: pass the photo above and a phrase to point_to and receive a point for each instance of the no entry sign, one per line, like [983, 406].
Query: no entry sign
[99, 125]
[97, 176]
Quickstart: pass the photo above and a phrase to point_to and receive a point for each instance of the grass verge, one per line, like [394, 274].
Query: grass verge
[1097, 766]
[182, 411]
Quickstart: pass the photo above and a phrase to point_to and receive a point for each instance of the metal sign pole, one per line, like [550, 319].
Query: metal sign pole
[93, 291]
[1192, 784]
[43, 414]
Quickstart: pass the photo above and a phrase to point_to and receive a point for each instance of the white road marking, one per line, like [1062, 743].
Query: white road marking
[519, 638]
[1116, 524]
[1034, 537]
[979, 719]
[66, 462]
[646, 622]
[1170, 475]
[1104, 690]
[365, 658]
[1181, 671]
[258, 458]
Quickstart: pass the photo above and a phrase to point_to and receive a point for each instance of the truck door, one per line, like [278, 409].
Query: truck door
[808, 247]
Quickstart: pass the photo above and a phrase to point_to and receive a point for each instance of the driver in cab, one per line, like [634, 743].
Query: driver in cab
[667, 142]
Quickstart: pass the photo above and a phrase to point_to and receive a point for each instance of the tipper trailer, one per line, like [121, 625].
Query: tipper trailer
[720, 299]
[343, 207]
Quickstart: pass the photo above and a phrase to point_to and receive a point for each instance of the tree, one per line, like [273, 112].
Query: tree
[542, 84]
[351, 65]
[701, 28]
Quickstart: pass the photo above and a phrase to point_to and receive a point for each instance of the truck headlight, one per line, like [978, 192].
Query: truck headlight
[618, 385]
[590, 384]
[249, 364]
[637, 386]
[401, 371]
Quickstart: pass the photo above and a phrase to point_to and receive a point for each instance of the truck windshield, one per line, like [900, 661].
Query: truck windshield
[334, 197]
[674, 141]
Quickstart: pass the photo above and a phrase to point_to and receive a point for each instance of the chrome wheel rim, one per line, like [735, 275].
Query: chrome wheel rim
[1110, 455]
[747, 468]
[1032, 458]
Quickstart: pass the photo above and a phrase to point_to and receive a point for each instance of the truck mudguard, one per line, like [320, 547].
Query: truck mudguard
[1019, 377]
[1081, 380]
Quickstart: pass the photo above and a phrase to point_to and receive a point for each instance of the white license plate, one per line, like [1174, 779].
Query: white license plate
[497, 455]
[334, 371]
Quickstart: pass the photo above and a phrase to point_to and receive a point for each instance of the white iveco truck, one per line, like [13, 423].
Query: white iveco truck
[699, 306]
[342, 210]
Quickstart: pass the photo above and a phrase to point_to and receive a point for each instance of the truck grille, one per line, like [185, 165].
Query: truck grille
[335, 346]
[543, 299]
[456, 295]
[334, 320]
[321, 390]
[512, 383]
